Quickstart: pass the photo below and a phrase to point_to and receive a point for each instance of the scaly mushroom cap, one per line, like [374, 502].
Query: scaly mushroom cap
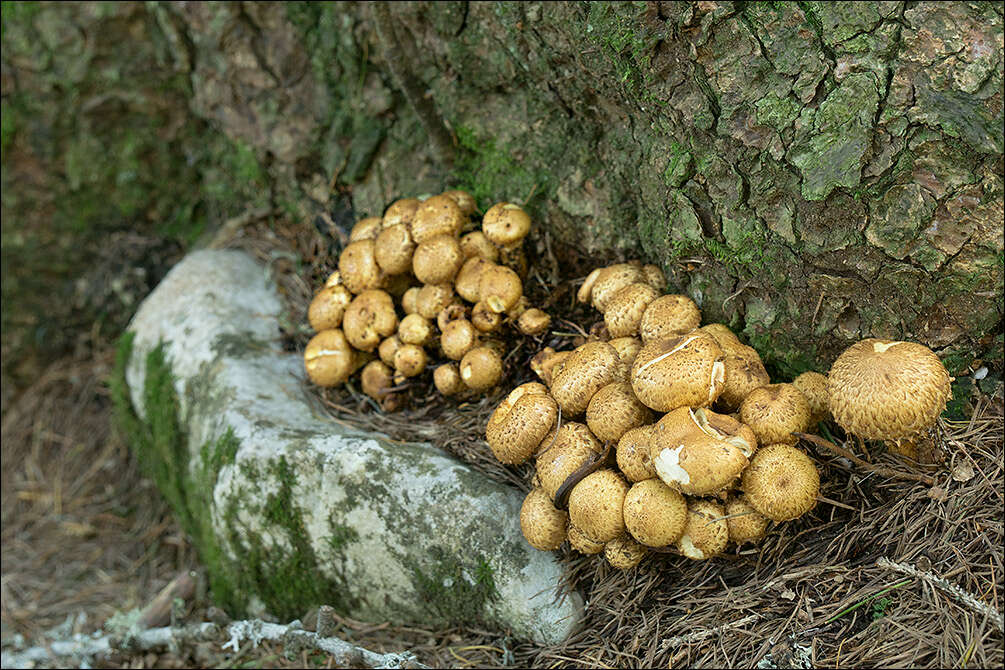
[533, 322]
[669, 316]
[409, 300]
[627, 348]
[626, 307]
[722, 334]
[572, 447]
[692, 456]
[447, 379]
[369, 319]
[365, 229]
[781, 482]
[410, 360]
[589, 368]
[433, 298]
[484, 319]
[458, 338]
[376, 380]
[745, 523]
[519, 424]
[546, 361]
[887, 390]
[438, 215]
[813, 386]
[468, 279]
[624, 553]
[685, 371]
[328, 307]
[437, 259]
[506, 224]
[585, 293]
[744, 373]
[596, 503]
[582, 542]
[476, 245]
[481, 368]
[415, 329]
[655, 514]
[328, 358]
[393, 249]
[400, 212]
[774, 412]
[358, 267]
[706, 533]
[543, 526]
[464, 200]
[614, 410]
[499, 288]
[611, 279]
[633, 454]
[655, 277]
[388, 347]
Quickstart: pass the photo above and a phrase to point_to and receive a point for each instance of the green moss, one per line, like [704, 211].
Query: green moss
[486, 171]
[621, 32]
[454, 591]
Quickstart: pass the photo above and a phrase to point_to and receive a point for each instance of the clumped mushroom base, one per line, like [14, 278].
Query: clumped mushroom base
[785, 589]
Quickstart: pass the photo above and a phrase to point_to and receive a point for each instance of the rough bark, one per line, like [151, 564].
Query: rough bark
[811, 172]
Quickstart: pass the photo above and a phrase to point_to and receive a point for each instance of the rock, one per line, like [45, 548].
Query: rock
[291, 510]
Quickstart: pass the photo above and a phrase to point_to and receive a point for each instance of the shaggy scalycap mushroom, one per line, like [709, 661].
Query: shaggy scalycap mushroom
[596, 503]
[393, 249]
[589, 368]
[600, 288]
[624, 553]
[369, 319]
[365, 229]
[437, 259]
[774, 412]
[632, 454]
[400, 212]
[887, 390]
[685, 371]
[481, 368]
[329, 359]
[572, 447]
[706, 533]
[813, 386]
[328, 307]
[781, 482]
[519, 424]
[744, 373]
[614, 410]
[438, 215]
[669, 316]
[696, 458]
[745, 523]
[543, 526]
[655, 514]
[358, 266]
[582, 542]
[626, 308]
[506, 224]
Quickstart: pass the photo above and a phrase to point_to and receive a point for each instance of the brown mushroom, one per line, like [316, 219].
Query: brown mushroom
[329, 359]
[499, 288]
[506, 224]
[669, 316]
[409, 301]
[745, 523]
[744, 373]
[706, 533]
[328, 307]
[774, 412]
[543, 526]
[813, 386]
[614, 410]
[476, 245]
[469, 277]
[438, 215]
[369, 318]
[358, 267]
[633, 454]
[520, 423]
[388, 348]
[410, 360]
[484, 319]
[589, 368]
[447, 379]
[655, 514]
[393, 249]
[400, 212]
[458, 338]
[686, 371]
[582, 542]
[596, 503]
[781, 482]
[415, 329]
[365, 229]
[533, 322]
[626, 308]
[546, 362]
[695, 458]
[455, 311]
[433, 298]
[376, 381]
[481, 368]
[464, 200]
[624, 553]
[437, 259]
[572, 447]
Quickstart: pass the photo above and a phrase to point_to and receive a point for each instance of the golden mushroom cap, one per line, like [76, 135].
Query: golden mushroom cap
[585, 293]
[438, 215]
[596, 503]
[506, 224]
[329, 359]
[415, 329]
[582, 542]
[369, 319]
[685, 371]
[455, 311]
[484, 319]
[632, 454]
[627, 348]
[722, 334]
[481, 368]
[774, 412]
[476, 245]
[655, 514]
[887, 390]
[469, 277]
[626, 307]
[328, 307]
[745, 523]
[590, 367]
[410, 360]
[365, 229]
[655, 277]
[694, 459]
[813, 386]
[458, 338]
[437, 259]
[433, 298]
[624, 553]
[376, 379]
[499, 288]
[706, 533]
[543, 526]
[409, 300]
[393, 249]
[464, 200]
[614, 410]
[447, 379]
[400, 212]
[387, 348]
[781, 482]
[546, 362]
[533, 322]
[358, 266]
[519, 424]
[669, 316]
[744, 373]
[572, 447]
[610, 280]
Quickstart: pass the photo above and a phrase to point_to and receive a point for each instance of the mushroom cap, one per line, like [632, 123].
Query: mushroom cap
[400, 212]
[369, 319]
[481, 368]
[706, 533]
[744, 373]
[589, 368]
[614, 410]
[632, 454]
[669, 316]
[464, 200]
[624, 553]
[519, 424]
[437, 259]
[655, 514]
[596, 503]
[484, 319]
[745, 523]
[627, 348]
[328, 307]
[438, 215]
[781, 482]
[433, 298]
[722, 334]
[546, 362]
[469, 277]
[533, 322]
[887, 390]
[387, 348]
[447, 379]
[693, 457]
[458, 338]
[813, 386]
[774, 412]
[543, 526]
[685, 371]
[393, 249]
[572, 447]
[582, 542]
[626, 307]
[476, 245]
[365, 229]
[612, 278]
[454, 311]
[506, 224]
[409, 300]
[358, 266]
[499, 288]
[376, 379]
[329, 359]
[585, 293]
[410, 360]
[415, 329]
[655, 277]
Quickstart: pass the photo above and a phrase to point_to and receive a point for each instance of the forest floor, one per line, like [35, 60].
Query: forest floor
[888, 572]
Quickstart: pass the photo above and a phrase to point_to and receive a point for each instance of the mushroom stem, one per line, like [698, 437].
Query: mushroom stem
[878, 469]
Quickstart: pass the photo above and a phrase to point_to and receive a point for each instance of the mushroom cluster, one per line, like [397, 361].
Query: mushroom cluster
[657, 433]
[424, 286]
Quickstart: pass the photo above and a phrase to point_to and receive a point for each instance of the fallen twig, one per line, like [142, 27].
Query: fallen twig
[878, 469]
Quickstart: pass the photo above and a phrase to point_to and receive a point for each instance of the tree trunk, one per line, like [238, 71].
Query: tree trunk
[811, 173]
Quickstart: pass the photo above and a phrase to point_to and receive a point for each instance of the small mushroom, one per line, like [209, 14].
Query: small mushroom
[400, 212]
[481, 368]
[433, 298]
[455, 311]
[464, 200]
[393, 249]
[813, 386]
[437, 259]
[415, 329]
[358, 267]
[596, 503]
[655, 277]
[476, 245]
[582, 542]
[774, 412]
[458, 338]
[543, 526]
[744, 373]
[369, 318]
[685, 371]
[722, 334]
[614, 410]
[609, 280]
[438, 215]
[706, 533]
[410, 360]
[669, 316]
[365, 229]
[447, 379]
[626, 308]
[695, 458]
[499, 288]
[409, 301]
[387, 348]
[781, 482]
[589, 368]
[376, 380]
[633, 454]
[329, 359]
[627, 348]
[533, 322]
[655, 514]
[328, 307]
[506, 224]
[572, 447]
[546, 363]
[520, 423]
[624, 553]
[484, 319]
[887, 390]
[745, 523]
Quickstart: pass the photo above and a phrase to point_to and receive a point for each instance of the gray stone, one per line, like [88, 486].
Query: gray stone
[408, 533]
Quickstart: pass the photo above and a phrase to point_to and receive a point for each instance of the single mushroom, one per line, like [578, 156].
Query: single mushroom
[464, 200]
[655, 514]
[358, 267]
[447, 379]
[520, 423]
[624, 553]
[455, 311]
[614, 410]
[655, 277]
[633, 451]
[589, 368]
[433, 298]
[400, 212]
[415, 329]
[627, 348]
[813, 386]
[582, 542]
[369, 318]
[437, 259]
[699, 452]
[706, 533]
[506, 224]
[377, 381]
[669, 316]
[476, 245]
[533, 322]
[438, 215]
[469, 277]
[781, 482]
[365, 229]
[685, 371]
[484, 319]
[609, 280]
[571, 448]
[387, 348]
[329, 359]
[774, 412]
[481, 368]
[722, 334]
[745, 523]
[499, 288]
[328, 307]
[626, 308]
[596, 503]
[409, 300]
[744, 373]
[458, 338]
[543, 526]
[409, 361]
[393, 249]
